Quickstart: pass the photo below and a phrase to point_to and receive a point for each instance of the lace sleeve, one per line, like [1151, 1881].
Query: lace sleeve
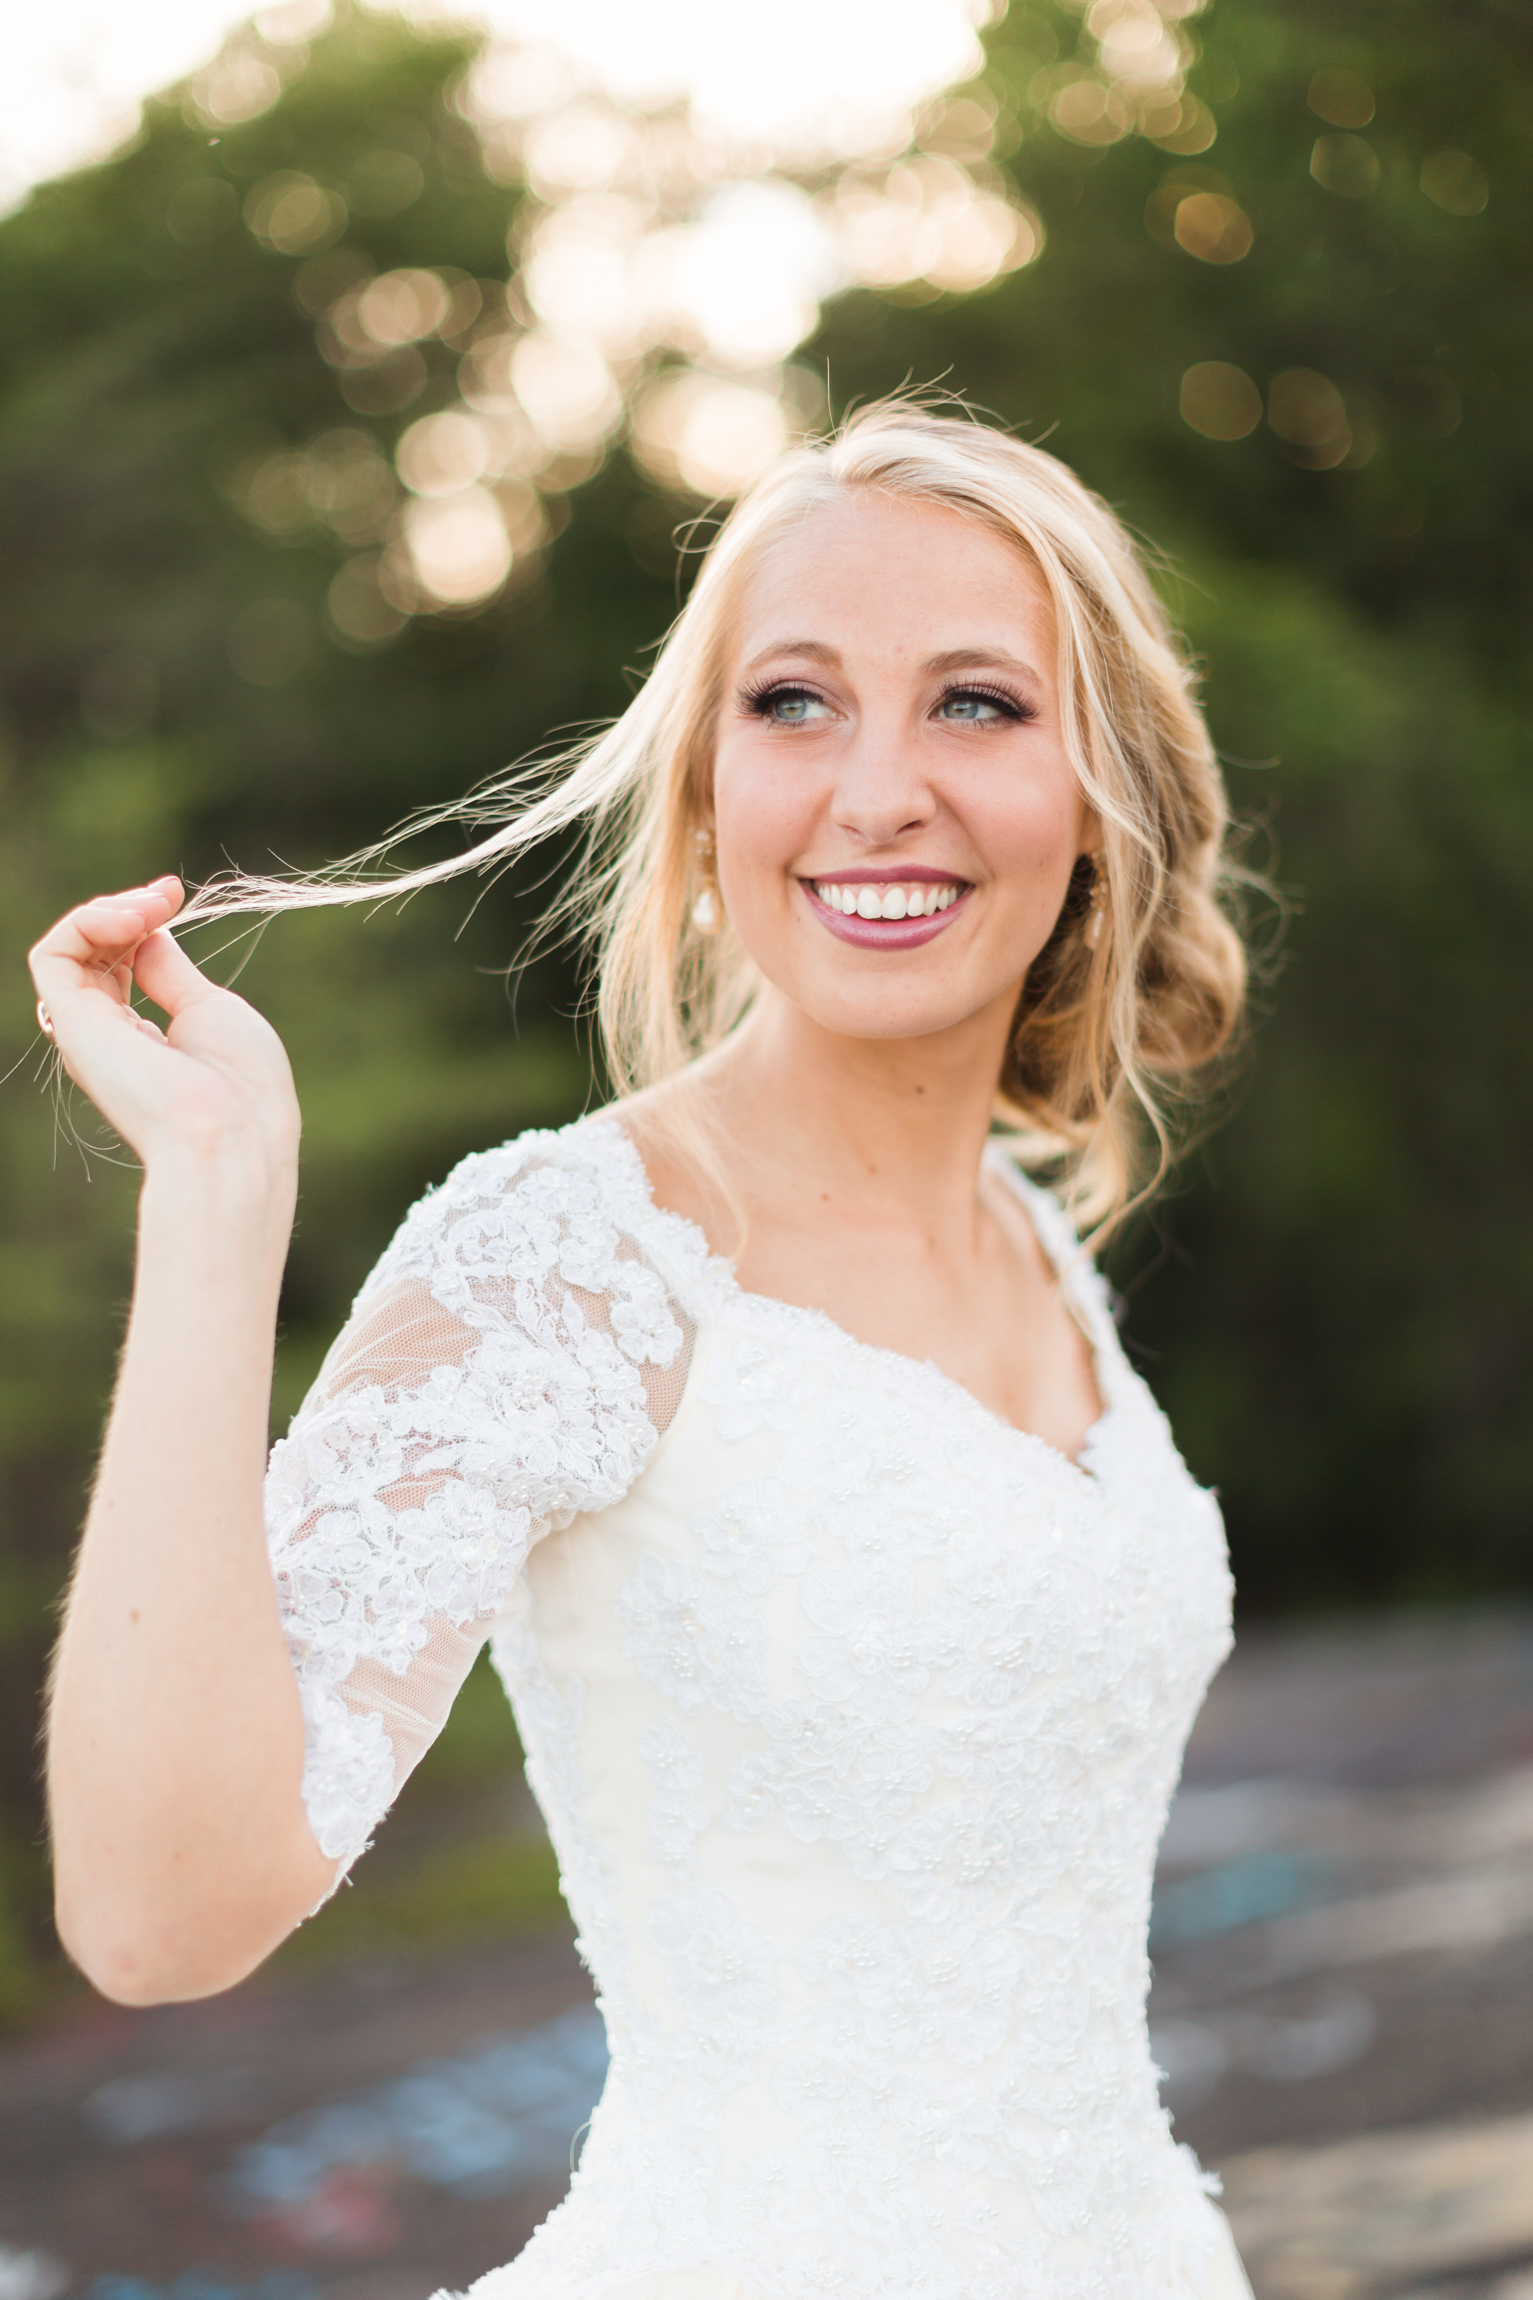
[509, 1364]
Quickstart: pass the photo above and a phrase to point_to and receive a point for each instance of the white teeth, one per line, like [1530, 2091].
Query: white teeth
[895, 901]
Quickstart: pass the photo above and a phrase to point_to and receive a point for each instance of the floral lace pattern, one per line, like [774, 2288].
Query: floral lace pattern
[398, 1506]
[677, 1816]
[855, 1715]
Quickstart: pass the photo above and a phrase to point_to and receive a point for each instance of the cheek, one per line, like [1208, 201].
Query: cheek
[1034, 830]
[762, 817]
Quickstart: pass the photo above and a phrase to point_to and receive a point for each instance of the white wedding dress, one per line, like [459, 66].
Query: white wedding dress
[854, 1714]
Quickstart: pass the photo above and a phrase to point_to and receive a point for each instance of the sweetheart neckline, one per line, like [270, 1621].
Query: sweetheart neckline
[719, 1271]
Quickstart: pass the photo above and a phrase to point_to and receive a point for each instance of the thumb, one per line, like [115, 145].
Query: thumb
[164, 973]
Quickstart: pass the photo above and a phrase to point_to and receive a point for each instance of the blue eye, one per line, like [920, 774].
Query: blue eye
[788, 706]
[972, 706]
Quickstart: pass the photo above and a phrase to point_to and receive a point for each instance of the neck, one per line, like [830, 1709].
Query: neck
[899, 1123]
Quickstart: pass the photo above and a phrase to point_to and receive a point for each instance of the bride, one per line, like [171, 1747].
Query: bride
[853, 1599]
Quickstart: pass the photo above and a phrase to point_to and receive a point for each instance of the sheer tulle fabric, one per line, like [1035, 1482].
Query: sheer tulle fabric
[854, 1714]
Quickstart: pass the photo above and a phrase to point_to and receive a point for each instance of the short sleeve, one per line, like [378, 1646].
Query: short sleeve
[508, 1365]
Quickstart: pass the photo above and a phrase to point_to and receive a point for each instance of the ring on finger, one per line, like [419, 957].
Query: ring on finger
[45, 1021]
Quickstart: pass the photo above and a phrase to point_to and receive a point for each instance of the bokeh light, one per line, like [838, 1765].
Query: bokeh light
[1343, 98]
[804, 81]
[76, 73]
[291, 213]
[698, 188]
[1454, 181]
[1346, 165]
[459, 547]
[698, 432]
[1307, 411]
[1219, 400]
[1213, 228]
[809, 78]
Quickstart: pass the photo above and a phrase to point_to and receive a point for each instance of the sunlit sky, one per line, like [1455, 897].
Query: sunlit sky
[828, 71]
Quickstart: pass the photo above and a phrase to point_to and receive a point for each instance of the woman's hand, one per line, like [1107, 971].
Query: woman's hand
[216, 1078]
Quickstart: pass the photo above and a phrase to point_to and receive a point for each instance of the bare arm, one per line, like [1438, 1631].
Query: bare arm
[175, 1751]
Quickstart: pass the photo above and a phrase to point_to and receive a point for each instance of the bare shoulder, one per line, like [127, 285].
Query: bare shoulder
[1011, 1208]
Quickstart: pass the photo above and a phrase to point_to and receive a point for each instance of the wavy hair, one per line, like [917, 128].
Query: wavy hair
[1110, 1032]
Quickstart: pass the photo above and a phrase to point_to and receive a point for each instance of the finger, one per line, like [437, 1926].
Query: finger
[65, 986]
[166, 888]
[111, 921]
[161, 890]
[61, 978]
[152, 905]
[95, 942]
[160, 900]
[92, 940]
[84, 964]
[164, 973]
[65, 982]
[107, 924]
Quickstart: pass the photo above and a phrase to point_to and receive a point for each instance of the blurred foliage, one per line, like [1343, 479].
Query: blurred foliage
[480, 1890]
[1334, 1304]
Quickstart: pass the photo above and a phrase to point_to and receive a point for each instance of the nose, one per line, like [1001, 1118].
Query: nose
[882, 792]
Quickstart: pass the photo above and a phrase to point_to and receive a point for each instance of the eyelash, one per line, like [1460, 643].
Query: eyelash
[1011, 704]
[757, 698]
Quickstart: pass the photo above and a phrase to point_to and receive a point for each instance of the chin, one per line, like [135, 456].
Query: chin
[882, 1017]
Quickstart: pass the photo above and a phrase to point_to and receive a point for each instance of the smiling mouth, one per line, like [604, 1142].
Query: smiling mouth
[886, 913]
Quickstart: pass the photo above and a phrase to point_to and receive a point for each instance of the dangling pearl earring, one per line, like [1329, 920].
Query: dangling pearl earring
[1098, 911]
[705, 911]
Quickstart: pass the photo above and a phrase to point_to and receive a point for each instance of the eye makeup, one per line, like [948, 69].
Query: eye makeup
[758, 699]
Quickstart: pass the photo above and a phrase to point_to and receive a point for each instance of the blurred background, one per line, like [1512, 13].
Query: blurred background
[361, 412]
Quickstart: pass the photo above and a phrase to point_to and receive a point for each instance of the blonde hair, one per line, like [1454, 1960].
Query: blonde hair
[1110, 1029]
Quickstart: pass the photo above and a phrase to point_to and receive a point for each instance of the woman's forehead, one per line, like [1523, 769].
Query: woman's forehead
[872, 563]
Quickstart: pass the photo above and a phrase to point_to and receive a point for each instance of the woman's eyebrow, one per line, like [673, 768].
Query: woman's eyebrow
[979, 659]
[812, 649]
[952, 659]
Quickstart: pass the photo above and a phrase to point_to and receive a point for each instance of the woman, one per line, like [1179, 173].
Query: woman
[853, 1600]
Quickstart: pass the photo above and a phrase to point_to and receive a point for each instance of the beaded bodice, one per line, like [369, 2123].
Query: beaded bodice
[854, 1714]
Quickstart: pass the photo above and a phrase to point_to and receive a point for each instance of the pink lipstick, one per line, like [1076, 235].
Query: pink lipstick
[894, 909]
